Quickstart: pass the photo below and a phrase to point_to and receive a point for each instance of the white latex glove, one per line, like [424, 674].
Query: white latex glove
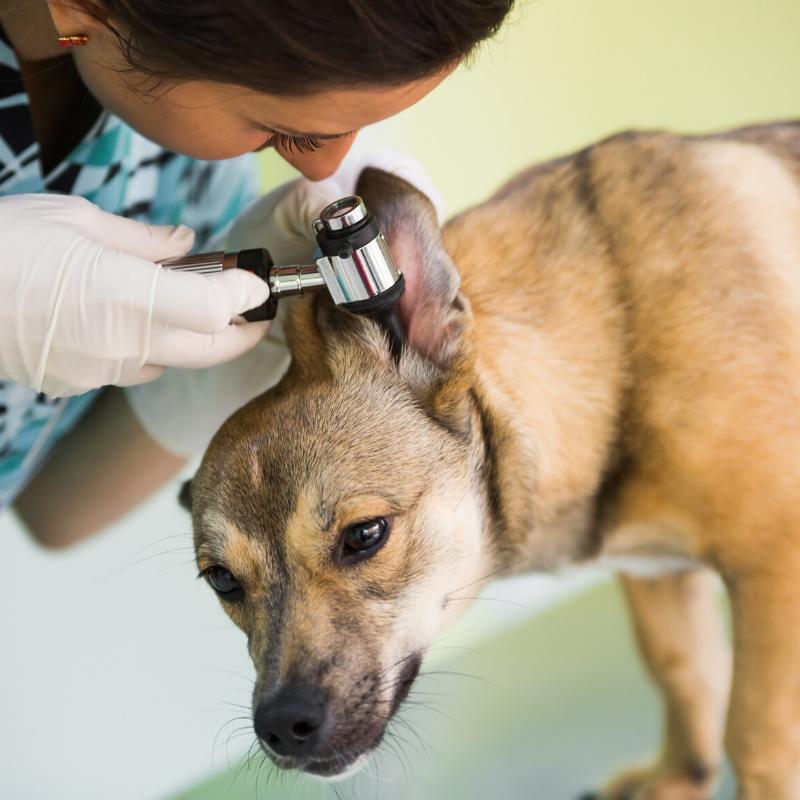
[400, 164]
[183, 409]
[83, 305]
[281, 220]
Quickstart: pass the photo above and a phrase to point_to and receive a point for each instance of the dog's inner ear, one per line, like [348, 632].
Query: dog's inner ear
[431, 310]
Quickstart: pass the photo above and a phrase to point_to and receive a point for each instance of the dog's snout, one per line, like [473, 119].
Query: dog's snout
[290, 722]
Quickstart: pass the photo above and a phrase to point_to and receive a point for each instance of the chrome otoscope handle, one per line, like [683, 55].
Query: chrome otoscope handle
[284, 280]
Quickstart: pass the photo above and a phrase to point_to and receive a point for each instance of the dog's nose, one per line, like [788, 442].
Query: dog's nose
[290, 722]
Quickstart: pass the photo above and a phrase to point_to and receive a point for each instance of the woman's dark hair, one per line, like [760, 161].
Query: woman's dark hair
[296, 47]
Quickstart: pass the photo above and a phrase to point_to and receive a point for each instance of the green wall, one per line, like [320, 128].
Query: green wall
[566, 72]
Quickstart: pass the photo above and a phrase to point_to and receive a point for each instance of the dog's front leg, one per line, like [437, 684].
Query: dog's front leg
[763, 733]
[680, 634]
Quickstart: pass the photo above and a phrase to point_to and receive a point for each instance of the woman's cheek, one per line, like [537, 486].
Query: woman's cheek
[172, 120]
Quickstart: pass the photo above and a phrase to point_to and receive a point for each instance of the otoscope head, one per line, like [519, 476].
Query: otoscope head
[356, 264]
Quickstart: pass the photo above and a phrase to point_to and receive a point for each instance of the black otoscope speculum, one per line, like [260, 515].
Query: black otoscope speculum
[355, 265]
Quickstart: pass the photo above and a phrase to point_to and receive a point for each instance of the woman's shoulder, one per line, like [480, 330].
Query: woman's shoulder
[206, 195]
[124, 173]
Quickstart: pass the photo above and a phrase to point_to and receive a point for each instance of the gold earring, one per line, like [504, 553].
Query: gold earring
[78, 40]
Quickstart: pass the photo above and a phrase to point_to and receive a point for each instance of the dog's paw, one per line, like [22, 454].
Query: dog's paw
[661, 783]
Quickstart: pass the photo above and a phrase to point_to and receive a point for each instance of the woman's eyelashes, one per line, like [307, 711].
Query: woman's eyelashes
[295, 144]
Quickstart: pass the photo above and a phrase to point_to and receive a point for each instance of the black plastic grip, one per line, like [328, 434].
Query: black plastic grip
[260, 263]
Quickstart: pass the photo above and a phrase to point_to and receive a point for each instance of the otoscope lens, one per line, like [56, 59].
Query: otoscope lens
[340, 212]
[343, 213]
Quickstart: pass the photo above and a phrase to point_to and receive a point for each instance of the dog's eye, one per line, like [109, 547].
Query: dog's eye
[223, 582]
[364, 538]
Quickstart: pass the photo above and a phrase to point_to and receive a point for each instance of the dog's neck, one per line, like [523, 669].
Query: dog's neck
[549, 387]
[525, 528]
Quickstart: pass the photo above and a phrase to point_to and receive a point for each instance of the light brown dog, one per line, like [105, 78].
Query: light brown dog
[603, 362]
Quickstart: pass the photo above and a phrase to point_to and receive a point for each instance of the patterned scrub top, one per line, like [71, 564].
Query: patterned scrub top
[123, 173]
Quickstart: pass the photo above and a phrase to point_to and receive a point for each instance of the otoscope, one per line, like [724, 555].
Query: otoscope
[355, 265]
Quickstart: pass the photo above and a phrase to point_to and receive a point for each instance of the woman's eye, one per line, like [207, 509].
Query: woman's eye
[364, 538]
[295, 144]
[223, 582]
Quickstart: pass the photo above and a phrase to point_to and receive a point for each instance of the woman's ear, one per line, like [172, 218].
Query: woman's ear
[70, 18]
[433, 313]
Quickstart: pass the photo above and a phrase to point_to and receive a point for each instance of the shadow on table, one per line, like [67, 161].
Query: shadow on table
[544, 711]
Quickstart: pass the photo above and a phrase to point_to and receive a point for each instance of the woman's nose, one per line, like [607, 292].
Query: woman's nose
[322, 163]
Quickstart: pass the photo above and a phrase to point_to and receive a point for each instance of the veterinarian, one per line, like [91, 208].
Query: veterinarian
[127, 133]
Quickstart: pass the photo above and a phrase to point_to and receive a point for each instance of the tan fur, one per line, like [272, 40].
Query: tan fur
[618, 379]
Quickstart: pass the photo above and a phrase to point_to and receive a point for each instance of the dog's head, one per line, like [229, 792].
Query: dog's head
[337, 515]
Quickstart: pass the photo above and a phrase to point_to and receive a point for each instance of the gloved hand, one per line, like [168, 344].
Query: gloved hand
[83, 305]
[184, 408]
[281, 220]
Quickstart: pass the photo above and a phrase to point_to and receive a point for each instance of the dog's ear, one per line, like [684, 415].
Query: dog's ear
[185, 495]
[435, 316]
[433, 313]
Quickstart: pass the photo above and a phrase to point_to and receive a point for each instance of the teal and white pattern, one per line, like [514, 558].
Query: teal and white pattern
[123, 173]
